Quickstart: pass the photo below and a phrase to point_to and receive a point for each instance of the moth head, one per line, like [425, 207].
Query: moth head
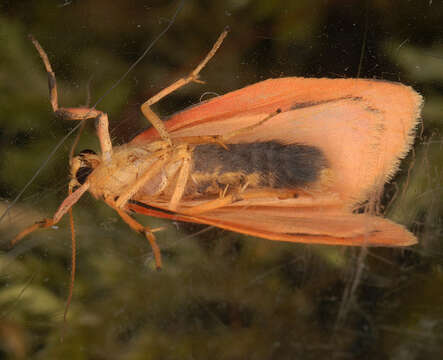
[82, 166]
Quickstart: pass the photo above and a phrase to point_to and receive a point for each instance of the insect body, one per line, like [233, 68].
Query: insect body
[287, 159]
[212, 169]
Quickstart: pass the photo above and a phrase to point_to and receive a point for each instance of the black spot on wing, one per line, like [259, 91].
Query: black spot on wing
[373, 110]
[301, 105]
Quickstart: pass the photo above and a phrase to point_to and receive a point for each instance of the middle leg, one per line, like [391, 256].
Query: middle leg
[145, 231]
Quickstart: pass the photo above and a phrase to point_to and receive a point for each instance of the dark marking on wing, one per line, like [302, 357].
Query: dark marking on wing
[382, 81]
[149, 207]
[306, 104]
[373, 110]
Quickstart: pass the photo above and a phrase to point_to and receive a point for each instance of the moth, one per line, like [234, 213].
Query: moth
[287, 159]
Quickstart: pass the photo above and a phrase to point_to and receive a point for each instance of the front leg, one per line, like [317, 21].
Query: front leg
[64, 207]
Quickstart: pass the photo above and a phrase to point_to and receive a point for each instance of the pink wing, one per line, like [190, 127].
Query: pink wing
[363, 127]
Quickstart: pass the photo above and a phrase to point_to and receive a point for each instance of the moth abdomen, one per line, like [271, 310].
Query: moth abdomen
[268, 164]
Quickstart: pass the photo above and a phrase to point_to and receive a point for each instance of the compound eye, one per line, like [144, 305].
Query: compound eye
[87, 151]
[83, 173]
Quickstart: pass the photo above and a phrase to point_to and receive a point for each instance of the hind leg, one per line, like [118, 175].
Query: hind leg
[151, 116]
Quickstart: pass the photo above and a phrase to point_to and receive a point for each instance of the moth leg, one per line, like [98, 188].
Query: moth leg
[145, 231]
[141, 181]
[192, 77]
[78, 113]
[43, 224]
[237, 196]
[156, 122]
[83, 122]
[182, 180]
[103, 136]
[64, 207]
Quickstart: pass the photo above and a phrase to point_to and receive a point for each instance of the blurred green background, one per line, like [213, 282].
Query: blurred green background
[220, 295]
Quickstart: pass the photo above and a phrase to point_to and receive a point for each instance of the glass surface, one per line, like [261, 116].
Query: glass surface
[220, 295]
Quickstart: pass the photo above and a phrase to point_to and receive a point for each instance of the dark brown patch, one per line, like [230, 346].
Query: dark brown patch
[373, 110]
[306, 104]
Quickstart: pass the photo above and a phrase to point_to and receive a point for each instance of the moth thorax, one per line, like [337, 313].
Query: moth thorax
[82, 166]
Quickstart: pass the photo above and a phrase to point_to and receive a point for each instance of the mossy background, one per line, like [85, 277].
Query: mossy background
[220, 295]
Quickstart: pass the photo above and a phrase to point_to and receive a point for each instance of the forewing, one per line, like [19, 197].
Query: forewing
[363, 127]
